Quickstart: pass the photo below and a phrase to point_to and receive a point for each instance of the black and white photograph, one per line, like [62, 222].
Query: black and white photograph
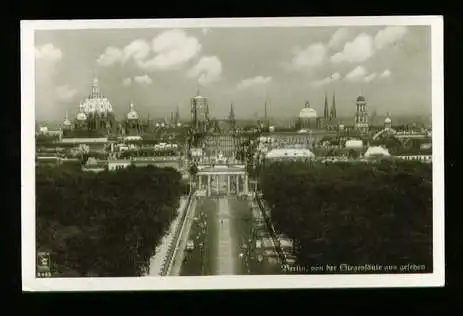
[244, 153]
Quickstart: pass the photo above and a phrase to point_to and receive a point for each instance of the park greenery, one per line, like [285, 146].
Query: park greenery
[378, 213]
[105, 224]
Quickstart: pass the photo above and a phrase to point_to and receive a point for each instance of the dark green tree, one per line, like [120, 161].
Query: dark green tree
[105, 224]
[353, 213]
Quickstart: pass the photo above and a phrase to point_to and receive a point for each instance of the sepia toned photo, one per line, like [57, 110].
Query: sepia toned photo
[232, 153]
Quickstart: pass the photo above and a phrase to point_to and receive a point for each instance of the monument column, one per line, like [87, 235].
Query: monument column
[199, 182]
[228, 184]
[217, 184]
[246, 184]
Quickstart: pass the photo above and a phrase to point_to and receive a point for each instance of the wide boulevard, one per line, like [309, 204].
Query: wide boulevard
[224, 231]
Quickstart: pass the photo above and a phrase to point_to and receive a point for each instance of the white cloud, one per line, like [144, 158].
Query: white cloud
[111, 56]
[127, 82]
[207, 70]
[339, 37]
[370, 77]
[172, 48]
[48, 52]
[312, 56]
[64, 93]
[386, 73]
[319, 83]
[360, 49]
[358, 74]
[253, 82]
[137, 50]
[389, 35]
[144, 79]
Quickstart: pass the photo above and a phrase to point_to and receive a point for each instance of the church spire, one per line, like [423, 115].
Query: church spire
[231, 116]
[333, 107]
[325, 110]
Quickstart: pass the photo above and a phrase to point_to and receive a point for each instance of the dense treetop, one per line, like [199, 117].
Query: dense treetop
[353, 213]
[107, 223]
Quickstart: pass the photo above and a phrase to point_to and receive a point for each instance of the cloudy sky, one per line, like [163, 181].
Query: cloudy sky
[160, 69]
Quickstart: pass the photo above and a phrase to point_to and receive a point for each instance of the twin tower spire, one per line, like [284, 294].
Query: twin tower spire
[329, 114]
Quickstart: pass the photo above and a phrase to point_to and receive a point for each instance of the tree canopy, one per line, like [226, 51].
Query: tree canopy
[353, 213]
[106, 224]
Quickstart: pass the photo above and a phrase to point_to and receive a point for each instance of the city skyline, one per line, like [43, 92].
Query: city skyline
[160, 69]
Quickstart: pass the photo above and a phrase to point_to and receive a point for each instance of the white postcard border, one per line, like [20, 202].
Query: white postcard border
[31, 283]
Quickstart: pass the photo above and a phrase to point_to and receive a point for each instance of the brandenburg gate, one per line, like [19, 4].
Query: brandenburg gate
[223, 179]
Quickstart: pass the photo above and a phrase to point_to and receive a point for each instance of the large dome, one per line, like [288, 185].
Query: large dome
[97, 105]
[388, 120]
[307, 113]
[132, 115]
[81, 116]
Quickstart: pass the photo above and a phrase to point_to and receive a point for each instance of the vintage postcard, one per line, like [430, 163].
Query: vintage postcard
[232, 153]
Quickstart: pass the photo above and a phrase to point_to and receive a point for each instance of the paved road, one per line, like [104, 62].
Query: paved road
[224, 233]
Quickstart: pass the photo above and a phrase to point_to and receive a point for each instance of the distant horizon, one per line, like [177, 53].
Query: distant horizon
[395, 118]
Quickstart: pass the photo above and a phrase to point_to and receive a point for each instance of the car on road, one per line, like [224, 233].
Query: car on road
[190, 245]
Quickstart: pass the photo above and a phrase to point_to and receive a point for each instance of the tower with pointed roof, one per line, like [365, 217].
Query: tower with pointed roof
[333, 108]
[67, 123]
[388, 122]
[231, 117]
[326, 114]
[95, 90]
[133, 126]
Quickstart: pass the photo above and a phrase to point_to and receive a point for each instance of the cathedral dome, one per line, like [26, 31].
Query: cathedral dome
[97, 105]
[307, 113]
[361, 98]
[387, 120]
[96, 102]
[81, 116]
[132, 115]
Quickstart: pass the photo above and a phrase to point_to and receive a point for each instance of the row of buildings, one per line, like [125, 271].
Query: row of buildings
[95, 125]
